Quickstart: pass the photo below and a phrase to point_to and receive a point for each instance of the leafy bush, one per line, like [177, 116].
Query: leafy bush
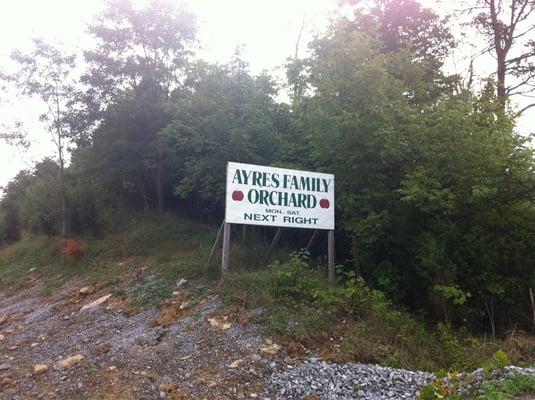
[295, 282]
[501, 359]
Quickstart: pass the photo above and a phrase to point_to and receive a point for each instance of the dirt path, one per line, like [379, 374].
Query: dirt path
[188, 349]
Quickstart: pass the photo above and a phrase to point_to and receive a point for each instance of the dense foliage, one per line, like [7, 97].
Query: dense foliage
[352, 323]
[435, 189]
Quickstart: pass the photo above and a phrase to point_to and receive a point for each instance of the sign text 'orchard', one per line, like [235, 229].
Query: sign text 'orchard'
[259, 195]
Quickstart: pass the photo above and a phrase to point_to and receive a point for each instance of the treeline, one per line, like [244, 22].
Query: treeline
[435, 189]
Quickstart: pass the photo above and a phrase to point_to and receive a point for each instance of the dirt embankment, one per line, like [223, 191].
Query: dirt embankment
[81, 343]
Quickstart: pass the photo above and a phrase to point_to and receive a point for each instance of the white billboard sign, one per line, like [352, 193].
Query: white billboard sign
[259, 195]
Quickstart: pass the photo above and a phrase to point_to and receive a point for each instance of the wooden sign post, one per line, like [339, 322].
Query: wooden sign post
[285, 198]
[330, 251]
[226, 249]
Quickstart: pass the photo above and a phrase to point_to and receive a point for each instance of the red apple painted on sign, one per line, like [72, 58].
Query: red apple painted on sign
[324, 203]
[237, 195]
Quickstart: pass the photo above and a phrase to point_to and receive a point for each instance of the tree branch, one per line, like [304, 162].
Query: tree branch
[519, 113]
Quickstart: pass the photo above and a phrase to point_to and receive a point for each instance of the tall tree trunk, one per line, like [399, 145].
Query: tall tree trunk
[500, 89]
[532, 299]
[445, 311]
[159, 183]
[490, 313]
[143, 191]
[62, 194]
[502, 44]
[296, 54]
[160, 195]
[61, 168]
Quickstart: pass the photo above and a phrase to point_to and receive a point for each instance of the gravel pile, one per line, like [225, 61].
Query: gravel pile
[345, 381]
[367, 382]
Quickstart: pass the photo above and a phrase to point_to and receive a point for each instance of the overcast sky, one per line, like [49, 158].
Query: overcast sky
[267, 30]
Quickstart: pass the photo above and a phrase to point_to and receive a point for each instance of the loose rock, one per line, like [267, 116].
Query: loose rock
[217, 324]
[95, 303]
[4, 318]
[86, 290]
[270, 349]
[6, 382]
[236, 364]
[69, 361]
[40, 368]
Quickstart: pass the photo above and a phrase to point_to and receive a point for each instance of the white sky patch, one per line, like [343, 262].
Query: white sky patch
[266, 30]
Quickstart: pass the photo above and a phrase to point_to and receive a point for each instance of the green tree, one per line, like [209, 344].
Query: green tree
[225, 114]
[405, 26]
[139, 59]
[431, 194]
[10, 219]
[123, 149]
[47, 73]
[138, 47]
[357, 119]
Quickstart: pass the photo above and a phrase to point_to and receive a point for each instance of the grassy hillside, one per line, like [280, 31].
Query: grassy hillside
[348, 322]
[170, 247]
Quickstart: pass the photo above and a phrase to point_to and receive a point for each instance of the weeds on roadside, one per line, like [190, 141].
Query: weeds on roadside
[450, 386]
[508, 388]
[357, 323]
[504, 389]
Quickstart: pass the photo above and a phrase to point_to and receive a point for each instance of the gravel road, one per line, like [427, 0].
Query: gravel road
[85, 343]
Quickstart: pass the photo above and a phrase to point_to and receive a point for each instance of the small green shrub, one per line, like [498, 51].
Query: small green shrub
[440, 390]
[459, 350]
[296, 282]
[499, 360]
[298, 301]
[508, 388]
